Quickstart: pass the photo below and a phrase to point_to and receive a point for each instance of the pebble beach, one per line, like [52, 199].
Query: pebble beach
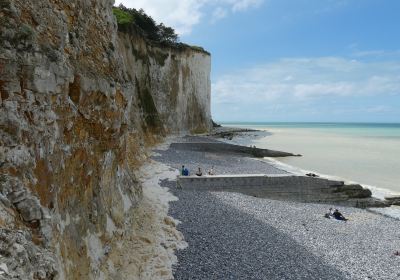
[234, 236]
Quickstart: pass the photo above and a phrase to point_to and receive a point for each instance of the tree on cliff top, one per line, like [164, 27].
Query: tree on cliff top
[153, 31]
[167, 33]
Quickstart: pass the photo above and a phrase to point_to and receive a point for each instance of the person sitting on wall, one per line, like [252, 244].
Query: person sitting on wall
[211, 171]
[185, 172]
[199, 172]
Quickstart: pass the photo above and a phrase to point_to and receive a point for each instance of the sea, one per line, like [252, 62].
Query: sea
[365, 153]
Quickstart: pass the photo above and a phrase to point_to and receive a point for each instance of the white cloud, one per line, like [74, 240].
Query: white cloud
[183, 15]
[309, 78]
[377, 53]
[219, 13]
[369, 53]
[241, 5]
[299, 82]
[358, 52]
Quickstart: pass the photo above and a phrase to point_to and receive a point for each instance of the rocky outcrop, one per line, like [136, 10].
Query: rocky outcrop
[79, 104]
[393, 200]
[23, 259]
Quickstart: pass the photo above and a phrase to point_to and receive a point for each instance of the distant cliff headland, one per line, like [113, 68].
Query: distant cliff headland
[82, 97]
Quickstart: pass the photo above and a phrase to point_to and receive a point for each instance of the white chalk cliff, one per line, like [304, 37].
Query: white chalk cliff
[80, 103]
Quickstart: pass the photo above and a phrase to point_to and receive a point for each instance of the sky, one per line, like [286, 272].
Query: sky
[293, 60]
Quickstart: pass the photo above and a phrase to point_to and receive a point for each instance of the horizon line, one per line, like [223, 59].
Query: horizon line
[314, 122]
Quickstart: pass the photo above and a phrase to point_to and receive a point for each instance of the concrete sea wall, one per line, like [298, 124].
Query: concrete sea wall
[285, 187]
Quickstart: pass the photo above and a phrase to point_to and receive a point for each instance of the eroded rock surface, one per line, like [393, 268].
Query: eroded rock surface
[79, 104]
[21, 258]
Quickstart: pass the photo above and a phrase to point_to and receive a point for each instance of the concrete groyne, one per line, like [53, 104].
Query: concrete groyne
[285, 187]
[221, 147]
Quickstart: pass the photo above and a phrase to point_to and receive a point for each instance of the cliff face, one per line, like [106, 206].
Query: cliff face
[79, 104]
[168, 78]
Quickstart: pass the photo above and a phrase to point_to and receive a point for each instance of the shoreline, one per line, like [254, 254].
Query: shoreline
[392, 211]
[232, 235]
[377, 192]
[264, 132]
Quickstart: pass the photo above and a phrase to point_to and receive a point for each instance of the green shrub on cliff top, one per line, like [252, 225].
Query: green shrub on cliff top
[122, 16]
[159, 33]
[153, 31]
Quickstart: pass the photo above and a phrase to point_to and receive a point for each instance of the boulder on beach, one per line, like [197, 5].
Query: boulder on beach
[393, 200]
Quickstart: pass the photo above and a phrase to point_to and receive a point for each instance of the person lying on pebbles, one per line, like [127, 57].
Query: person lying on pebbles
[335, 214]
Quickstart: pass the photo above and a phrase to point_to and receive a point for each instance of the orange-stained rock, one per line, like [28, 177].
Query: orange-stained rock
[79, 105]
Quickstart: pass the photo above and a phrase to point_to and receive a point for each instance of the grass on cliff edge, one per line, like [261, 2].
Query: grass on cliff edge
[156, 33]
[153, 31]
[122, 16]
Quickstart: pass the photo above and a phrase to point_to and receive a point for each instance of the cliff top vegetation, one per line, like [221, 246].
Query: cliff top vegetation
[128, 18]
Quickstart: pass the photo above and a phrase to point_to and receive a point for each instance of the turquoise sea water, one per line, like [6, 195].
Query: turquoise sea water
[367, 153]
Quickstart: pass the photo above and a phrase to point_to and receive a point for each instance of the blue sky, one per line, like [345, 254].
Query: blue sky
[294, 60]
